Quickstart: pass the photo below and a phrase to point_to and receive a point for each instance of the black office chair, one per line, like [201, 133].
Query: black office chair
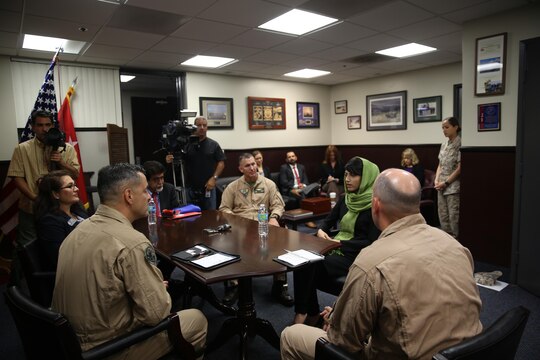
[45, 333]
[40, 282]
[498, 342]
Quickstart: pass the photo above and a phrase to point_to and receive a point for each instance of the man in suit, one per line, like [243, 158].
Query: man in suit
[164, 194]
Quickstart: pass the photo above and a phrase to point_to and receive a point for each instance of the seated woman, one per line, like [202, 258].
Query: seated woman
[357, 231]
[410, 163]
[263, 170]
[57, 213]
[332, 171]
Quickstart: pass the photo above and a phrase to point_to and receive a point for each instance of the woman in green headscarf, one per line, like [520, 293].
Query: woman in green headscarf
[356, 231]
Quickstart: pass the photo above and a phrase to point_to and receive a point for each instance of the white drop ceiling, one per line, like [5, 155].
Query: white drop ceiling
[160, 34]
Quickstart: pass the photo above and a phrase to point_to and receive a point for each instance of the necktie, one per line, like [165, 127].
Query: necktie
[298, 182]
[156, 201]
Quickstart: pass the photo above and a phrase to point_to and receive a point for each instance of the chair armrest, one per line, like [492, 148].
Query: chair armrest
[123, 342]
[325, 350]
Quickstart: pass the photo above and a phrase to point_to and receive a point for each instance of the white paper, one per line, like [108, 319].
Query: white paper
[499, 285]
[211, 260]
[299, 257]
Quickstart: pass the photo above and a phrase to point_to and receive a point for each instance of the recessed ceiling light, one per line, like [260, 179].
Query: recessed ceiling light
[406, 50]
[297, 22]
[307, 73]
[45, 43]
[126, 78]
[208, 61]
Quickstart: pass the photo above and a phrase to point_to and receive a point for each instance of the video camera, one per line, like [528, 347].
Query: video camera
[176, 134]
[56, 139]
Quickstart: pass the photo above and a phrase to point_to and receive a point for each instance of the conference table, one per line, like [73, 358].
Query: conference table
[256, 259]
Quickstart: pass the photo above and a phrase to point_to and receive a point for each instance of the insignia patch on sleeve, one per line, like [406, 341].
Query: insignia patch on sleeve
[150, 255]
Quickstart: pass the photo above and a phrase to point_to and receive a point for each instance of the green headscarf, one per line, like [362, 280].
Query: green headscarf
[358, 201]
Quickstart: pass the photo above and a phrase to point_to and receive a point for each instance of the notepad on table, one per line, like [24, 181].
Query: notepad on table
[298, 257]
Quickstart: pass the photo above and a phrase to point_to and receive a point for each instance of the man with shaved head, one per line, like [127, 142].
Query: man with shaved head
[408, 295]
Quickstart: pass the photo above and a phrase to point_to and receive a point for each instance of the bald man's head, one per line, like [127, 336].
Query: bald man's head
[398, 192]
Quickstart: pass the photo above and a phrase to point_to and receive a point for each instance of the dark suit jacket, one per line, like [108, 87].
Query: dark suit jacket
[168, 197]
[286, 177]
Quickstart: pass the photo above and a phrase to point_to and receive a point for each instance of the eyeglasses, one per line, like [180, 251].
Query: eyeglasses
[69, 186]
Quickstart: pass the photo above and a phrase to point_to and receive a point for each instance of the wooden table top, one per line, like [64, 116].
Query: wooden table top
[256, 256]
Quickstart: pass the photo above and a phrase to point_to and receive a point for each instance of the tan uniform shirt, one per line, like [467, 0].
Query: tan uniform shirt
[412, 290]
[106, 281]
[449, 159]
[242, 198]
[30, 161]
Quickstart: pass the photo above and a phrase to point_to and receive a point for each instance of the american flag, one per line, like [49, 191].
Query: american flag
[9, 195]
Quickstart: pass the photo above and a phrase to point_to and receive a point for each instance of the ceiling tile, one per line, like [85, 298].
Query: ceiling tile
[260, 39]
[338, 53]
[482, 10]
[36, 25]
[302, 46]
[341, 33]
[444, 6]
[146, 20]
[390, 16]
[8, 51]
[199, 29]
[271, 57]
[8, 39]
[104, 61]
[438, 58]
[251, 13]
[341, 9]
[232, 51]
[126, 38]
[10, 21]
[305, 62]
[181, 7]
[246, 66]
[162, 57]
[112, 52]
[11, 5]
[80, 11]
[149, 65]
[449, 42]
[183, 46]
[417, 32]
[376, 43]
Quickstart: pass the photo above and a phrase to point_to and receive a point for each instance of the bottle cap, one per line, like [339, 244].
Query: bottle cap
[332, 195]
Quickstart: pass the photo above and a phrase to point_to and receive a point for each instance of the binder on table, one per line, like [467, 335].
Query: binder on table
[204, 257]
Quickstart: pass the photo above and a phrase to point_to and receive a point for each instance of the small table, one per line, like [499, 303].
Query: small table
[256, 256]
[292, 223]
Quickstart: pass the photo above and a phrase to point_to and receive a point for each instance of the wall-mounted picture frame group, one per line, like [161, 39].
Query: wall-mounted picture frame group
[490, 63]
[387, 111]
[354, 122]
[340, 107]
[307, 115]
[427, 109]
[489, 117]
[217, 111]
[266, 113]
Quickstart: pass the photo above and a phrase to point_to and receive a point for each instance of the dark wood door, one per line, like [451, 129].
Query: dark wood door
[149, 115]
[526, 244]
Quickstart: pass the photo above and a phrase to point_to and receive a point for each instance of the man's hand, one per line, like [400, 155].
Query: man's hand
[295, 193]
[210, 184]
[330, 179]
[169, 158]
[273, 221]
[326, 317]
[56, 156]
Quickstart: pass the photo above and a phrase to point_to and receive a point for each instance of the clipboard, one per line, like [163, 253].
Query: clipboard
[204, 257]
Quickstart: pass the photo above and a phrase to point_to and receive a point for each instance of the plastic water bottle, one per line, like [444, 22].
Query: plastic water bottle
[332, 199]
[262, 216]
[151, 212]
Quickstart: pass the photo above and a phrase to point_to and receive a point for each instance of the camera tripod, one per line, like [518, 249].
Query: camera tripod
[178, 161]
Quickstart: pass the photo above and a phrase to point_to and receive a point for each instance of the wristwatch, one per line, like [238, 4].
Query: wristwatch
[215, 177]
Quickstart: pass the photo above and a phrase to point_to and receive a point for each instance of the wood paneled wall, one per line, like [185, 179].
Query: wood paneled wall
[487, 203]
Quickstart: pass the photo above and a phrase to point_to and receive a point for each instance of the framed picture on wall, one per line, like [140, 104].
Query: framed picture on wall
[458, 91]
[490, 63]
[387, 111]
[217, 111]
[266, 113]
[307, 115]
[340, 107]
[489, 117]
[354, 122]
[427, 109]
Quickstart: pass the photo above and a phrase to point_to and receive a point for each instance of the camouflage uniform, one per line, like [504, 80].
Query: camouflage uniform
[448, 199]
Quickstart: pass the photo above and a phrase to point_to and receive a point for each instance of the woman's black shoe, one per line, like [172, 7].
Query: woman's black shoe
[280, 292]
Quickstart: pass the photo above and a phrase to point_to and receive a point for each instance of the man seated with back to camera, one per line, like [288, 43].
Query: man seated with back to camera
[408, 295]
[243, 197]
[107, 282]
[204, 163]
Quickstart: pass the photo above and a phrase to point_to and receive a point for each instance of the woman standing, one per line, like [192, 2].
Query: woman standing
[57, 212]
[357, 231]
[447, 177]
[332, 171]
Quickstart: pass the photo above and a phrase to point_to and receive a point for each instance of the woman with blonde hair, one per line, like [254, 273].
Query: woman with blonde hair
[410, 163]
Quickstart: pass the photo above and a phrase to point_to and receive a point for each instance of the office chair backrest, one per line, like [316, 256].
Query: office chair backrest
[44, 333]
[498, 342]
[40, 282]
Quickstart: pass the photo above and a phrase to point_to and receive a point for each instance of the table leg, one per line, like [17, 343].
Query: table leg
[196, 288]
[246, 324]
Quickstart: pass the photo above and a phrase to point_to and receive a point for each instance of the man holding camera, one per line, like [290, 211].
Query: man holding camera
[31, 160]
[205, 160]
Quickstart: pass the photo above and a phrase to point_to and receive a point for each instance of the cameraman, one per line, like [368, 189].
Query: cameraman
[31, 160]
[204, 163]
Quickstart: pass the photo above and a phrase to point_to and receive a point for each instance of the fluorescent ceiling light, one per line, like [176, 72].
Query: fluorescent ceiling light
[126, 78]
[45, 43]
[208, 61]
[297, 22]
[115, 2]
[307, 73]
[406, 50]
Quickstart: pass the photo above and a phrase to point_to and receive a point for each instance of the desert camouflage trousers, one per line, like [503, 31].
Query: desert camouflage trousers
[449, 213]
